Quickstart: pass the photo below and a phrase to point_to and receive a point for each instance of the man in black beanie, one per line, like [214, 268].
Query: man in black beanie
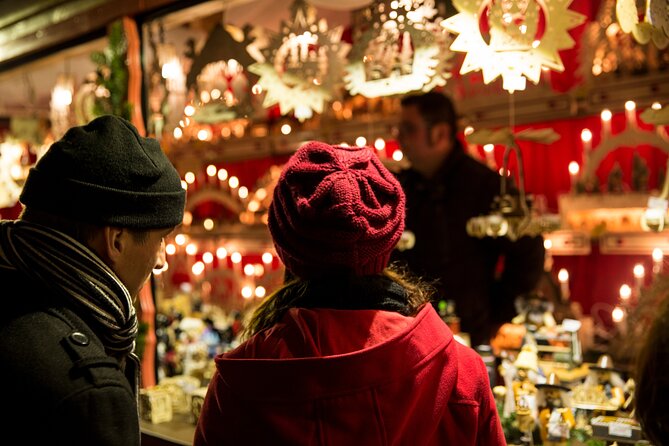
[98, 205]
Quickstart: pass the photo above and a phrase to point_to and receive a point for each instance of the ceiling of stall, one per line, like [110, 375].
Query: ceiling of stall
[26, 90]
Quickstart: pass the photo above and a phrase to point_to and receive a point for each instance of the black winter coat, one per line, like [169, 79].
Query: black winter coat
[59, 386]
[466, 267]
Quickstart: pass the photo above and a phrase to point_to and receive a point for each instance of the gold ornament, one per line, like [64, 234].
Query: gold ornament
[655, 26]
[516, 47]
[403, 50]
[302, 65]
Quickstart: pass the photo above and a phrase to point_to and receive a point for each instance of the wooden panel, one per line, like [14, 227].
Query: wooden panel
[33, 29]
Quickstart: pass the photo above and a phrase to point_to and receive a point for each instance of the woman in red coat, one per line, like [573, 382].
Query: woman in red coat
[348, 351]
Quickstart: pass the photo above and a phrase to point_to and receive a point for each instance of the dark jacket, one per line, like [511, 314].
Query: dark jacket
[59, 385]
[465, 267]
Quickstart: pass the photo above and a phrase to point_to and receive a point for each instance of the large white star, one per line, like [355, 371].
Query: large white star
[511, 52]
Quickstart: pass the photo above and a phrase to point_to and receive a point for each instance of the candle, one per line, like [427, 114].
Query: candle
[489, 150]
[658, 260]
[586, 138]
[563, 278]
[625, 293]
[573, 174]
[222, 176]
[606, 116]
[211, 174]
[639, 274]
[548, 260]
[618, 314]
[630, 113]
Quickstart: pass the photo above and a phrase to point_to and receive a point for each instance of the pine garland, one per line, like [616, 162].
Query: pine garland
[113, 75]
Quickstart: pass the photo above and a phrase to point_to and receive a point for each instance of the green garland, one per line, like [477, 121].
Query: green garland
[113, 75]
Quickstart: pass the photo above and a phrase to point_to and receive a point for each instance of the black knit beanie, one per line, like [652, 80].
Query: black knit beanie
[105, 173]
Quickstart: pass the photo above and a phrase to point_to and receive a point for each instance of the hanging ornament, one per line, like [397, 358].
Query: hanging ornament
[655, 25]
[219, 77]
[11, 173]
[302, 65]
[61, 101]
[403, 50]
[512, 39]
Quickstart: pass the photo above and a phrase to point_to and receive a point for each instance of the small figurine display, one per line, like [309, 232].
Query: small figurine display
[520, 379]
[555, 417]
[603, 388]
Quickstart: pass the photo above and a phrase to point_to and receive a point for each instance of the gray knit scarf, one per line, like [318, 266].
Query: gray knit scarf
[66, 266]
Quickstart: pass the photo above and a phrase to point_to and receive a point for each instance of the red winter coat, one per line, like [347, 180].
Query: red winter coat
[351, 377]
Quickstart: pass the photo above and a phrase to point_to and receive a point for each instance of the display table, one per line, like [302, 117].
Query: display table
[179, 431]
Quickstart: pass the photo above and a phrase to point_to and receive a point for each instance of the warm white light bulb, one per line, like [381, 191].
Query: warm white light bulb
[606, 115]
[625, 292]
[639, 271]
[489, 148]
[658, 255]
[221, 253]
[211, 170]
[191, 249]
[267, 258]
[563, 275]
[574, 168]
[548, 244]
[586, 135]
[630, 105]
[617, 314]
[247, 292]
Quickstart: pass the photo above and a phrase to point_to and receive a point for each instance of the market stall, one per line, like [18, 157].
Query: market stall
[568, 99]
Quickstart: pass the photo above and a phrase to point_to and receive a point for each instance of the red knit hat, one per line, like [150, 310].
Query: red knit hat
[335, 210]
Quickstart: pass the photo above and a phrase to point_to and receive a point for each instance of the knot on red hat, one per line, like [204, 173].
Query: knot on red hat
[336, 209]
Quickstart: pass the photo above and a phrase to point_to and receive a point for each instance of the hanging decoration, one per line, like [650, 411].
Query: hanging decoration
[11, 172]
[606, 49]
[112, 96]
[403, 50]
[511, 215]
[302, 65]
[219, 76]
[61, 100]
[512, 39]
[655, 25]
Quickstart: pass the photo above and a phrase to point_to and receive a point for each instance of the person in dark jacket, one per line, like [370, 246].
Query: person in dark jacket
[445, 187]
[97, 206]
[347, 352]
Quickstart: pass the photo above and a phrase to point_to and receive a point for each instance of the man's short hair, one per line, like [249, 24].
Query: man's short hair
[434, 108]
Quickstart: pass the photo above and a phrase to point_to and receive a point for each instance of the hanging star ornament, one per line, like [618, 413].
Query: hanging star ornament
[302, 65]
[402, 50]
[512, 39]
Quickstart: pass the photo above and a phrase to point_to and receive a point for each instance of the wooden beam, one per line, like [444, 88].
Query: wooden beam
[35, 29]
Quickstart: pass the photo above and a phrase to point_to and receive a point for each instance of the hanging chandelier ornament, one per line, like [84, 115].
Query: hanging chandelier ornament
[512, 39]
[403, 50]
[655, 25]
[11, 173]
[60, 105]
[302, 65]
[511, 214]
